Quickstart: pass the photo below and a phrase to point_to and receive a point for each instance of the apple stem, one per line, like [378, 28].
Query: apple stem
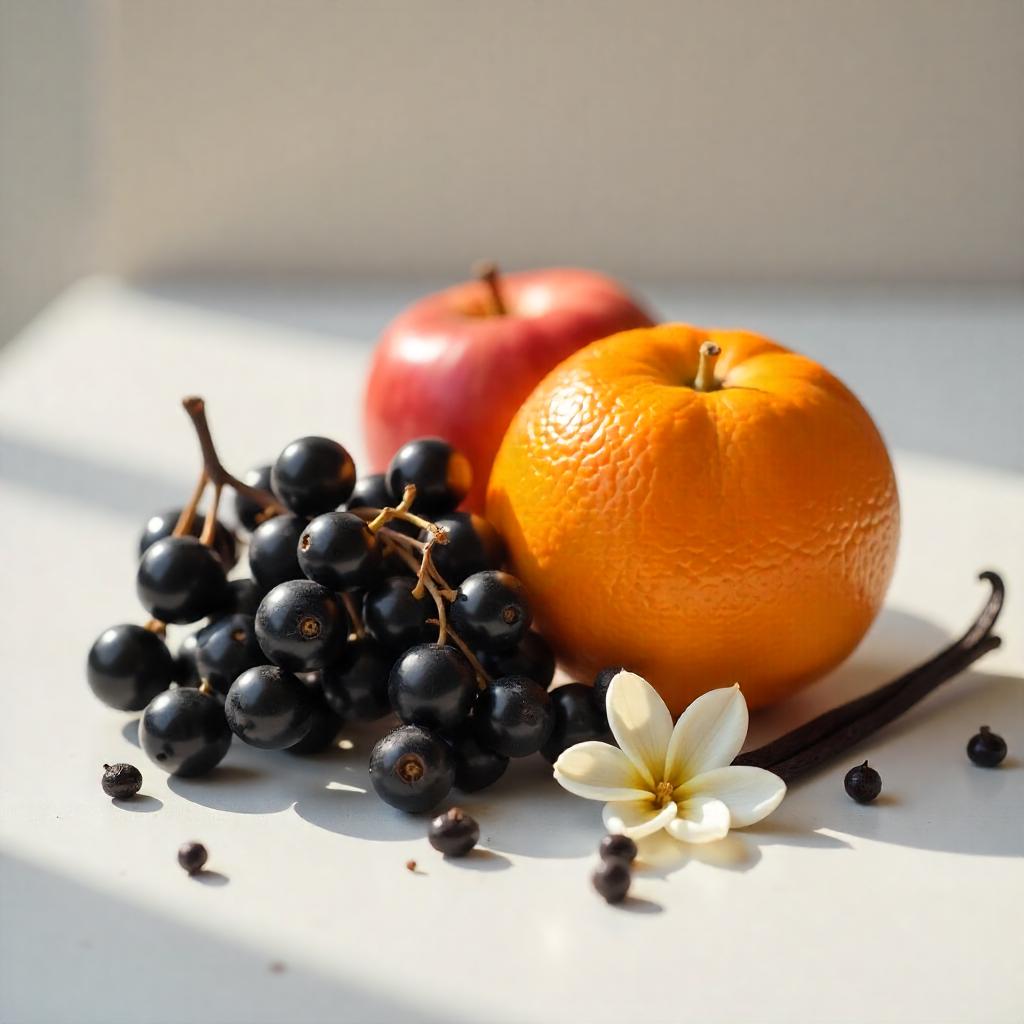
[489, 274]
[705, 379]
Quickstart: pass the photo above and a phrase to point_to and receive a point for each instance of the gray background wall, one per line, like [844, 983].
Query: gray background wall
[752, 140]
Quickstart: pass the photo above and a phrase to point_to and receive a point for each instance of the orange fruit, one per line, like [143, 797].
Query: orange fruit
[737, 528]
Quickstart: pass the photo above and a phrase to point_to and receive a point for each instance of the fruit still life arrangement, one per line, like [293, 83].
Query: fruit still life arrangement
[689, 522]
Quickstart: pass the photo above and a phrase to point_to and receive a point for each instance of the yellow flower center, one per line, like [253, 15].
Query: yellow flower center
[663, 793]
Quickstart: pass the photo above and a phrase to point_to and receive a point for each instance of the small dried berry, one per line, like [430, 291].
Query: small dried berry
[618, 848]
[863, 783]
[121, 781]
[192, 857]
[986, 749]
[454, 833]
[410, 865]
[611, 879]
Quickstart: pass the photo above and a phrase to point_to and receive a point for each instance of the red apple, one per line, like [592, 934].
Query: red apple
[458, 364]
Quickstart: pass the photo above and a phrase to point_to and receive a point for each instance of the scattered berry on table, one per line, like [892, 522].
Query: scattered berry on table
[986, 749]
[617, 847]
[301, 626]
[184, 731]
[121, 781]
[454, 833]
[410, 865]
[514, 717]
[491, 611]
[268, 707]
[192, 857]
[411, 769]
[180, 580]
[442, 476]
[313, 475]
[128, 666]
[612, 878]
[273, 551]
[863, 783]
[432, 686]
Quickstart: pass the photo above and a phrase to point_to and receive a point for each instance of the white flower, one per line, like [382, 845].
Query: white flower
[680, 779]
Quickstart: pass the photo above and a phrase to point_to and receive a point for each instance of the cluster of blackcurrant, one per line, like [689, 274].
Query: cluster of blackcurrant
[366, 597]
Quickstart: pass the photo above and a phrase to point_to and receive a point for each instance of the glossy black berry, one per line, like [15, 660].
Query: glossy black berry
[491, 611]
[323, 728]
[514, 717]
[186, 671]
[863, 783]
[180, 580]
[128, 666]
[192, 857]
[396, 619]
[476, 768]
[454, 833]
[302, 626]
[226, 648]
[473, 546]
[121, 781]
[602, 681]
[356, 686]
[533, 658]
[986, 749]
[243, 598]
[576, 719]
[411, 769]
[371, 491]
[273, 551]
[432, 686]
[247, 512]
[313, 475]
[162, 525]
[442, 475]
[337, 550]
[184, 731]
[611, 878]
[269, 708]
[618, 847]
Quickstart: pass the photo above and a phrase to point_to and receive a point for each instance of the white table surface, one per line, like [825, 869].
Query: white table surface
[907, 910]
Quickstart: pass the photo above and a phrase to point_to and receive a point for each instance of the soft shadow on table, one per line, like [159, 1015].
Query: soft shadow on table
[141, 803]
[130, 731]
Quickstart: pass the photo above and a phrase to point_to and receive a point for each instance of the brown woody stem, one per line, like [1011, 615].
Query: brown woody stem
[187, 518]
[487, 272]
[210, 525]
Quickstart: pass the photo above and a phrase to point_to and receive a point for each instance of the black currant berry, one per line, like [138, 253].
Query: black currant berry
[371, 491]
[162, 525]
[533, 658]
[121, 781]
[323, 728]
[454, 833]
[273, 551]
[247, 512]
[863, 783]
[301, 626]
[337, 550]
[473, 546]
[184, 731]
[313, 475]
[226, 648]
[432, 686]
[411, 769]
[394, 618]
[576, 719]
[491, 611]
[475, 767]
[356, 686]
[269, 708]
[186, 671]
[180, 580]
[442, 475]
[611, 878]
[602, 681]
[514, 717]
[128, 666]
[986, 749]
[192, 857]
[616, 847]
[243, 598]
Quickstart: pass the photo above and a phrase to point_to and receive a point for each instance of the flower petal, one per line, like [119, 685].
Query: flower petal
[750, 793]
[637, 818]
[701, 819]
[640, 723]
[599, 771]
[709, 734]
